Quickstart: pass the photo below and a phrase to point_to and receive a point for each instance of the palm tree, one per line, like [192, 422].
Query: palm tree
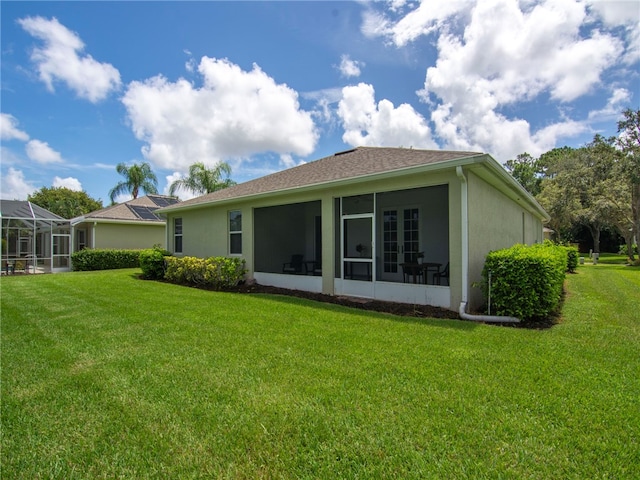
[136, 177]
[202, 180]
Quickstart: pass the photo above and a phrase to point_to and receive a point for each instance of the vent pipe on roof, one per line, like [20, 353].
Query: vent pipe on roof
[344, 152]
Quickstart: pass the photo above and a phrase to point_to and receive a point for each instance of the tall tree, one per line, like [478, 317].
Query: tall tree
[65, 202]
[549, 162]
[576, 187]
[557, 195]
[202, 180]
[527, 171]
[137, 176]
[629, 142]
[614, 190]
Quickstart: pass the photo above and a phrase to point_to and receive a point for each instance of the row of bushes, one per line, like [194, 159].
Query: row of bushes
[527, 281]
[213, 272]
[158, 264]
[104, 259]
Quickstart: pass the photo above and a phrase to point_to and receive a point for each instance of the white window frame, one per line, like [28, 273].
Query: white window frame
[233, 233]
[81, 236]
[177, 235]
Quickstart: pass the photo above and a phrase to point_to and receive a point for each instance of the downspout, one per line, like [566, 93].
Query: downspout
[462, 311]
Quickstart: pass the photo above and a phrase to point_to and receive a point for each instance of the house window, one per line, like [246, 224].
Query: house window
[235, 232]
[81, 236]
[177, 235]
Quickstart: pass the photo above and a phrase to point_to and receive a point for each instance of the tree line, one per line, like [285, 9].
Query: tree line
[596, 186]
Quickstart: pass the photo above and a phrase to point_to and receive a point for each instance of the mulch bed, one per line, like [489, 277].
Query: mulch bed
[393, 308]
[400, 309]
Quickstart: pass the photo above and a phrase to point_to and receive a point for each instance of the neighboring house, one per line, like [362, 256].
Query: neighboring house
[548, 233]
[127, 225]
[354, 224]
[34, 240]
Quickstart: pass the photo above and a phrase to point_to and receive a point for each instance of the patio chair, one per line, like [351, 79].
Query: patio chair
[412, 272]
[294, 267]
[444, 273]
[316, 268]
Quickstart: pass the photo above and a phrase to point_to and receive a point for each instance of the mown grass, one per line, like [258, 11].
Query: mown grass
[108, 376]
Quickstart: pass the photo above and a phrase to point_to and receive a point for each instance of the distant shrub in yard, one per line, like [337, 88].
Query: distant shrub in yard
[214, 272]
[572, 258]
[526, 281]
[152, 263]
[625, 251]
[104, 259]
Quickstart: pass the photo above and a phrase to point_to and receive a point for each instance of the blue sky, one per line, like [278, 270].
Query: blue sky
[267, 85]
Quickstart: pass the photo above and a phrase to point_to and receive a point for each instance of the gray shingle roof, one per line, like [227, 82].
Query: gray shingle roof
[359, 162]
[138, 209]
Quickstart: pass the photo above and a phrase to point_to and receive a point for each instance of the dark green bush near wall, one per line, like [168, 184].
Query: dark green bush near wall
[104, 259]
[152, 263]
[526, 281]
[215, 272]
[572, 258]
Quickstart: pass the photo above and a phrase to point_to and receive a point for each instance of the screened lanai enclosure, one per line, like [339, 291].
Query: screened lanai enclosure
[383, 242]
[34, 240]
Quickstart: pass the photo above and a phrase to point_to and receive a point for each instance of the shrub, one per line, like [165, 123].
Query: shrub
[623, 249]
[104, 259]
[215, 272]
[152, 262]
[572, 258]
[526, 281]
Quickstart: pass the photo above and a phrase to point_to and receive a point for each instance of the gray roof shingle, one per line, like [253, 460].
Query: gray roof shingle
[358, 162]
[138, 209]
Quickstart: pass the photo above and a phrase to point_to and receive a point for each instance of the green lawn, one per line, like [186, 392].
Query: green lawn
[108, 376]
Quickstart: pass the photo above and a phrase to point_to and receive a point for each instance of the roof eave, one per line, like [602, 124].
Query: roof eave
[424, 168]
[121, 221]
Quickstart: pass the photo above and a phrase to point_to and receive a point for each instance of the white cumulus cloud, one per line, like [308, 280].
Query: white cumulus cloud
[69, 182]
[381, 124]
[493, 55]
[620, 97]
[423, 20]
[234, 114]
[616, 12]
[14, 186]
[61, 59]
[348, 67]
[9, 128]
[41, 152]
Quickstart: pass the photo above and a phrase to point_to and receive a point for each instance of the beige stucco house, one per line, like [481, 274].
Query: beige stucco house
[354, 223]
[128, 225]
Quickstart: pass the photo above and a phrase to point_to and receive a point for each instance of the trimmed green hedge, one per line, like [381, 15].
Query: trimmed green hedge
[526, 281]
[104, 259]
[152, 263]
[214, 272]
[573, 256]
